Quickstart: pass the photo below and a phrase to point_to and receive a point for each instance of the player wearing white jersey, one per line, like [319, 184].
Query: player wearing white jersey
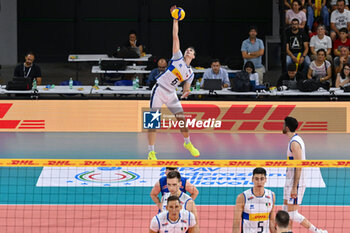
[254, 210]
[164, 92]
[183, 197]
[174, 184]
[161, 187]
[174, 219]
[295, 178]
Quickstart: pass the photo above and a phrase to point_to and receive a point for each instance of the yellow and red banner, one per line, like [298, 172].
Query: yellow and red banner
[127, 116]
[170, 163]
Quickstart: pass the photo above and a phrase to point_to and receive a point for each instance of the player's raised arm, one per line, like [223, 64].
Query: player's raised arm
[176, 41]
[237, 218]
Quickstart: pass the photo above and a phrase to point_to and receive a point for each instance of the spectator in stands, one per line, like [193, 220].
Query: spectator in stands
[320, 69]
[133, 42]
[252, 50]
[311, 14]
[289, 79]
[342, 41]
[253, 76]
[340, 18]
[216, 72]
[28, 69]
[296, 13]
[334, 6]
[321, 41]
[343, 78]
[288, 5]
[297, 43]
[342, 59]
[162, 65]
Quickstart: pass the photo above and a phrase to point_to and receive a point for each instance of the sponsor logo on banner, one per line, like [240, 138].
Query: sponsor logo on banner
[107, 175]
[256, 117]
[157, 120]
[18, 124]
[151, 120]
[148, 176]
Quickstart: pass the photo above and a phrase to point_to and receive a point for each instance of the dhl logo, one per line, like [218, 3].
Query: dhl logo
[247, 118]
[182, 163]
[259, 217]
[176, 72]
[18, 124]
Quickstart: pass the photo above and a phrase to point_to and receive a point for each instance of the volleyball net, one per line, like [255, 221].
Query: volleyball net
[49, 195]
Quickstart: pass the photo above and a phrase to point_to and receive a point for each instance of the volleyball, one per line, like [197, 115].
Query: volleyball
[178, 13]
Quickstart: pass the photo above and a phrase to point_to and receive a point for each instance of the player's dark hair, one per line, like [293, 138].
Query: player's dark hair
[174, 174]
[259, 170]
[291, 123]
[171, 168]
[175, 198]
[191, 47]
[282, 219]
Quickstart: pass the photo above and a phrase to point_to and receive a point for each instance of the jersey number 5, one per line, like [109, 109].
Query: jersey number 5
[261, 228]
[174, 81]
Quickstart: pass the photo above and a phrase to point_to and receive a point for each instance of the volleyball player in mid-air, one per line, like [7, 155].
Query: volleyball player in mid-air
[295, 185]
[164, 92]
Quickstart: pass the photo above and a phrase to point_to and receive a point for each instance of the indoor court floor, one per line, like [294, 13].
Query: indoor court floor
[27, 207]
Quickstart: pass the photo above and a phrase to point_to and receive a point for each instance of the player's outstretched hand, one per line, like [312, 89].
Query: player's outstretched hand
[172, 8]
[185, 94]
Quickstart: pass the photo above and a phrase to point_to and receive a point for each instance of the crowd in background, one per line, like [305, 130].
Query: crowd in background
[317, 43]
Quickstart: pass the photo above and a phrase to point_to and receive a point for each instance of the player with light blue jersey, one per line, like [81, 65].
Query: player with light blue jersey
[164, 92]
[295, 185]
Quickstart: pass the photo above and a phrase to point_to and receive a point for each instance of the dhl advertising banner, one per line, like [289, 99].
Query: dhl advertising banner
[170, 163]
[204, 116]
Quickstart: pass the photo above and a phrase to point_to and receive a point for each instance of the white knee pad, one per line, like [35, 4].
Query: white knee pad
[296, 217]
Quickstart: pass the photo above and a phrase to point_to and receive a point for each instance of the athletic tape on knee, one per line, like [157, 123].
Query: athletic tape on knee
[296, 217]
